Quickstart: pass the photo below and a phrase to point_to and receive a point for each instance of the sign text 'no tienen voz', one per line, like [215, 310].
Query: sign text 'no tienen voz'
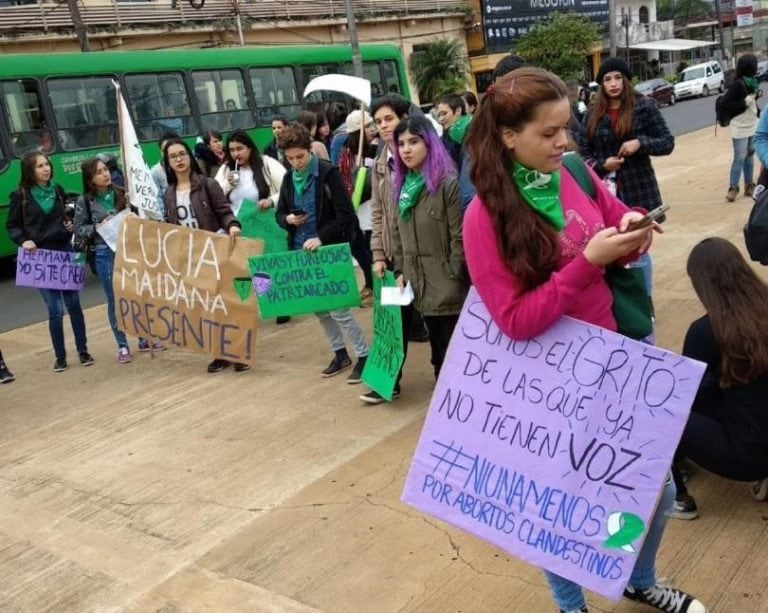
[555, 448]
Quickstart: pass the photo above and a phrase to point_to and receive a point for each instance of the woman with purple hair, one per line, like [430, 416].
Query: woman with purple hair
[426, 241]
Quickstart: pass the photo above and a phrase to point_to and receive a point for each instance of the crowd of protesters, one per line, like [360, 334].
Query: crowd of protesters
[443, 210]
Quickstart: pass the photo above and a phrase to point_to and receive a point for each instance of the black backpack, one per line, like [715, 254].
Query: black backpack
[722, 116]
[756, 228]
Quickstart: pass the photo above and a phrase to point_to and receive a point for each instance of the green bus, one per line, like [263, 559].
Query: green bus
[65, 105]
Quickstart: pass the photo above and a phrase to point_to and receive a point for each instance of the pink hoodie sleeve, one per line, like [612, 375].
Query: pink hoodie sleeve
[520, 315]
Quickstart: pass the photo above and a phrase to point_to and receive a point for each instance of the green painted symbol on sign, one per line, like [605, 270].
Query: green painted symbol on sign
[623, 529]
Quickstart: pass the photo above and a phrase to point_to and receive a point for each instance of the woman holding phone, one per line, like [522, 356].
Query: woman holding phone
[38, 219]
[535, 256]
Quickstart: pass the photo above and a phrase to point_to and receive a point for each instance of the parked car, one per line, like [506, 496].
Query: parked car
[660, 90]
[700, 80]
[762, 71]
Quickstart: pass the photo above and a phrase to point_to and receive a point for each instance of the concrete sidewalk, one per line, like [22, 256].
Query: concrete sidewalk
[155, 486]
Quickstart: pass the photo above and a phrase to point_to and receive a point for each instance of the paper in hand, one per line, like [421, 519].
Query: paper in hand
[391, 296]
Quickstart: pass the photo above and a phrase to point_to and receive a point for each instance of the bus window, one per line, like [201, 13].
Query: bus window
[392, 76]
[275, 92]
[372, 73]
[159, 104]
[85, 110]
[26, 122]
[318, 101]
[222, 100]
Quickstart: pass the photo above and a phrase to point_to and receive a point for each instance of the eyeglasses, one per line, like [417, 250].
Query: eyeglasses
[175, 157]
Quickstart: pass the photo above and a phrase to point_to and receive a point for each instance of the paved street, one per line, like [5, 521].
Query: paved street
[155, 486]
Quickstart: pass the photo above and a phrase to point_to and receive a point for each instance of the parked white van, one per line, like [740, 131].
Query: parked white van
[700, 80]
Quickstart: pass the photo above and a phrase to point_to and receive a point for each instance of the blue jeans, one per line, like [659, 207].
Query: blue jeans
[568, 595]
[743, 160]
[56, 300]
[105, 264]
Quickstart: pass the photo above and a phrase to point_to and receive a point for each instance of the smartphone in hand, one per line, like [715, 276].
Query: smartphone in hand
[656, 214]
[298, 212]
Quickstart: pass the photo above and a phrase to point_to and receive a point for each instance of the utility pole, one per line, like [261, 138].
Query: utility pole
[77, 21]
[357, 60]
[612, 26]
[720, 28]
[236, 7]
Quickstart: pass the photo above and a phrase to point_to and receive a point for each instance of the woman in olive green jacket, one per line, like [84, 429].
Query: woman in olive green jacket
[426, 242]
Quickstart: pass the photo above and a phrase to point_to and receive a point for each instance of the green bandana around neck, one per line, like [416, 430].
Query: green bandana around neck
[106, 199]
[541, 192]
[44, 196]
[751, 83]
[413, 185]
[458, 131]
[300, 177]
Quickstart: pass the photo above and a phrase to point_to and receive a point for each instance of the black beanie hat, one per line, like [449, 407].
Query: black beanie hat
[613, 64]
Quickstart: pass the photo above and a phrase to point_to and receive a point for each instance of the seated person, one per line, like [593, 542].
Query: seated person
[727, 431]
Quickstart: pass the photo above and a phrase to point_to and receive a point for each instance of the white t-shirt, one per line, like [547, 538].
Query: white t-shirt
[184, 211]
[245, 190]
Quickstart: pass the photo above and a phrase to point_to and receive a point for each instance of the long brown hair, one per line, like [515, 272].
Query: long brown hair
[736, 300]
[626, 110]
[88, 169]
[529, 245]
[28, 164]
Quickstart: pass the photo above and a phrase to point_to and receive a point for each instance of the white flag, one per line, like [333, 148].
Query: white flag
[141, 188]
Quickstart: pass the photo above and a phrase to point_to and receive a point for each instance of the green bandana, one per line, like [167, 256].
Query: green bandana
[44, 196]
[751, 83]
[300, 177]
[458, 131]
[106, 199]
[541, 192]
[413, 185]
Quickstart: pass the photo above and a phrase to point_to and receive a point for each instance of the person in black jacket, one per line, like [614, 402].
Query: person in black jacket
[727, 431]
[619, 135]
[279, 123]
[37, 219]
[315, 187]
[739, 103]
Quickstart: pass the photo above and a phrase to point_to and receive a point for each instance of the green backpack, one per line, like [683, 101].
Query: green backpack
[632, 307]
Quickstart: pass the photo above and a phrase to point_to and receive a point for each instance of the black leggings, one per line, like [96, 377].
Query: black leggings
[708, 443]
[440, 331]
[361, 251]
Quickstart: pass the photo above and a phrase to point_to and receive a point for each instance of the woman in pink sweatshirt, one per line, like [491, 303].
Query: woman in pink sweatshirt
[536, 247]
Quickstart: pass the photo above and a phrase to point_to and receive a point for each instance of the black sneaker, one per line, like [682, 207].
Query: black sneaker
[581, 610]
[338, 363]
[373, 397]
[356, 376]
[86, 359]
[283, 319]
[217, 365]
[6, 376]
[242, 367]
[684, 508]
[60, 365]
[665, 598]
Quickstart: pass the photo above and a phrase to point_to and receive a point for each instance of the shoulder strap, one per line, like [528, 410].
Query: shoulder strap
[577, 168]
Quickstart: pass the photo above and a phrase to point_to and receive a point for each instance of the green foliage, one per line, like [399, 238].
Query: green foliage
[683, 11]
[559, 44]
[438, 68]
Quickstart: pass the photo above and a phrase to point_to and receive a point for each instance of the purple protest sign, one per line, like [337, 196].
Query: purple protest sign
[556, 448]
[47, 269]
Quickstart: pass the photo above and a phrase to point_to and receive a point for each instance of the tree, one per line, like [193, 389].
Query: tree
[559, 44]
[683, 11]
[438, 68]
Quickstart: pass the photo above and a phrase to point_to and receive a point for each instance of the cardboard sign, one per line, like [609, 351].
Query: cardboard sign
[256, 223]
[300, 282]
[186, 288]
[48, 269]
[386, 355]
[555, 448]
